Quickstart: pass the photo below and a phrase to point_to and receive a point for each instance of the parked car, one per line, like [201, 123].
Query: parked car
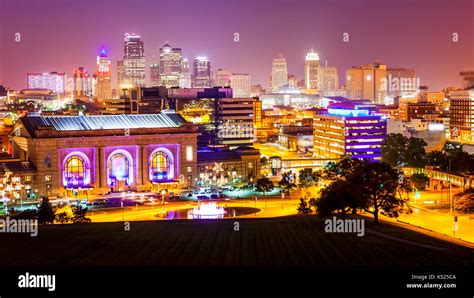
[214, 196]
[201, 197]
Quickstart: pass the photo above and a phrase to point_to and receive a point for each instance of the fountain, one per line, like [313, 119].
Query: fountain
[207, 210]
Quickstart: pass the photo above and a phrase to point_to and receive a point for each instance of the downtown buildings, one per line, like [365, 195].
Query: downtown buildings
[311, 66]
[104, 76]
[132, 69]
[55, 81]
[462, 116]
[279, 75]
[170, 66]
[201, 72]
[367, 82]
[240, 83]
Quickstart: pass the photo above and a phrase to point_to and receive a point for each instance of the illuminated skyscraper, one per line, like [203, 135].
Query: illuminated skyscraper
[84, 84]
[367, 82]
[311, 65]
[134, 70]
[185, 76]
[461, 112]
[202, 72]
[104, 79]
[119, 73]
[279, 76]
[240, 85]
[170, 66]
[55, 81]
[154, 75]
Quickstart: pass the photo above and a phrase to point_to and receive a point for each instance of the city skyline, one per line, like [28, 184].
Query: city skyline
[261, 37]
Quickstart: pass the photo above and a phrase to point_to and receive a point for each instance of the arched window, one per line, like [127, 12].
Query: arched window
[76, 171]
[161, 166]
[119, 166]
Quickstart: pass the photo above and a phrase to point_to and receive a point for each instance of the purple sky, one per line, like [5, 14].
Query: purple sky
[61, 35]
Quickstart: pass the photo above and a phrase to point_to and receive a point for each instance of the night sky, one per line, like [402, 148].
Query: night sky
[61, 35]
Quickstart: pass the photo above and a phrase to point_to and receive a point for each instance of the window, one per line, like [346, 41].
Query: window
[160, 166]
[75, 172]
[47, 178]
[189, 153]
[27, 178]
[189, 169]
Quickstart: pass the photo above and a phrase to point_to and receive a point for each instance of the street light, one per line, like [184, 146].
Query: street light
[163, 193]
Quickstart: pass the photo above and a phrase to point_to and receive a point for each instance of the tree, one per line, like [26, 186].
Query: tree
[379, 183]
[419, 180]
[46, 213]
[287, 181]
[339, 196]
[63, 217]
[264, 185]
[307, 177]
[264, 161]
[394, 149]
[79, 214]
[333, 171]
[464, 201]
[437, 158]
[304, 207]
[400, 151]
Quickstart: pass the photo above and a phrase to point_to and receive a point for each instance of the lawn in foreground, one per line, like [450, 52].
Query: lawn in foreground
[291, 240]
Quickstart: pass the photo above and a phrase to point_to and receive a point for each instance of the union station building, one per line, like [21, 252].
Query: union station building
[77, 156]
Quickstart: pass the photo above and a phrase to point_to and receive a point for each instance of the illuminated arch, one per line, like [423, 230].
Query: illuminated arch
[120, 167]
[76, 170]
[161, 165]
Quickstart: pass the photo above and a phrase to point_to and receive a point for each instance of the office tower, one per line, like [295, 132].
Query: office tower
[223, 78]
[155, 75]
[185, 76]
[401, 82]
[311, 65]
[367, 82]
[461, 113]
[235, 121]
[240, 83]
[327, 80]
[79, 79]
[119, 73]
[279, 76]
[349, 131]
[202, 72]
[468, 79]
[104, 78]
[170, 66]
[55, 81]
[292, 81]
[134, 70]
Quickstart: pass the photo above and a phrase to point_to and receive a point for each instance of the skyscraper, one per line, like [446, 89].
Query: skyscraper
[119, 73]
[155, 75]
[202, 72]
[279, 76]
[185, 76]
[134, 70]
[223, 78]
[170, 66]
[84, 84]
[311, 65]
[461, 112]
[104, 79]
[240, 84]
[327, 80]
[367, 82]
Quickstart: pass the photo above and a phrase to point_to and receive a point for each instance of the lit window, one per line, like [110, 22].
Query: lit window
[47, 178]
[189, 169]
[160, 167]
[189, 153]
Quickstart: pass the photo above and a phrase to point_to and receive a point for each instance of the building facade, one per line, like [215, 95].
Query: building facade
[353, 132]
[311, 65]
[240, 83]
[134, 69]
[77, 156]
[367, 82]
[279, 76]
[461, 112]
[201, 73]
[104, 76]
[327, 80]
[55, 81]
[170, 66]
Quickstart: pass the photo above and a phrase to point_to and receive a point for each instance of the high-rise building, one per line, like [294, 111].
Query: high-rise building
[84, 84]
[349, 131]
[119, 73]
[170, 66]
[367, 82]
[235, 121]
[185, 76]
[279, 76]
[55, 81]
[134, 70]
[202, 72]
[104, 78]
[327, 80]
[155, 75]
[223, 78]
[468, 79]
[461, 112]
[401, 82]
[240, 83]
[311, 65]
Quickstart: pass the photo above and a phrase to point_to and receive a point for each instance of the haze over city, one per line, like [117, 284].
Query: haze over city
[398, 33]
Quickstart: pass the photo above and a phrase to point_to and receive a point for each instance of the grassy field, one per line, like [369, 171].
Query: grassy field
[278, 241]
